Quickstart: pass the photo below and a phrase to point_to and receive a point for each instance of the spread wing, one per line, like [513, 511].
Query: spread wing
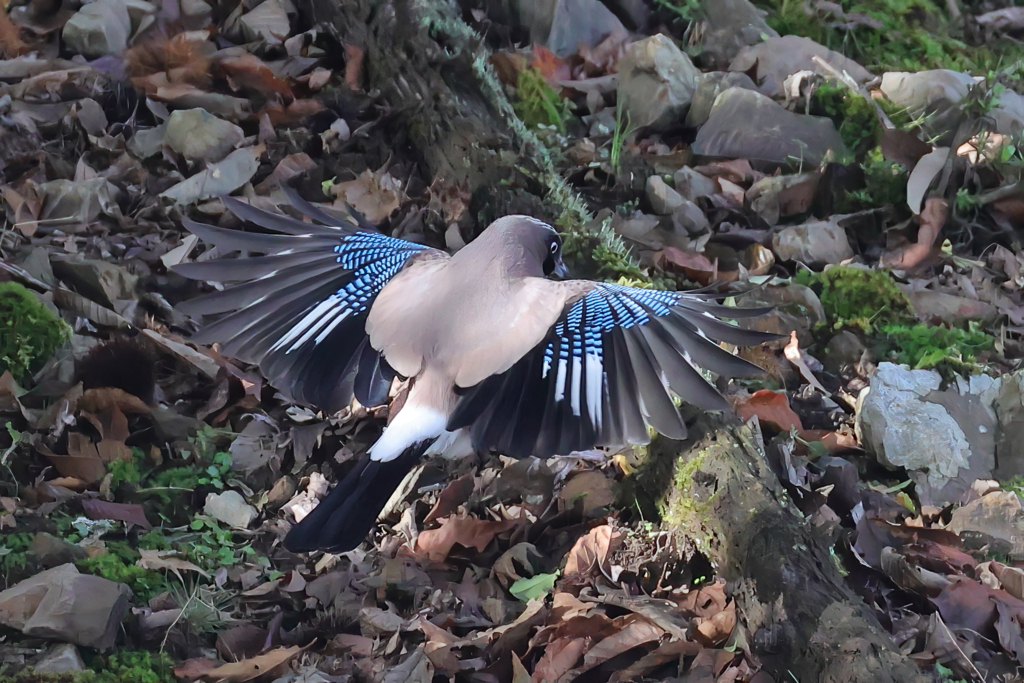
[299, 310]
[607, 369]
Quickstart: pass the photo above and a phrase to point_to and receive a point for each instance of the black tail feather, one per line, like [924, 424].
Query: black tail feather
[345, 517]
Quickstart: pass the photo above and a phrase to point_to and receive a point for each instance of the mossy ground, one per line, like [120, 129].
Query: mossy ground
[29, 332]
[870, 302]
[124, 666]
[896, 35]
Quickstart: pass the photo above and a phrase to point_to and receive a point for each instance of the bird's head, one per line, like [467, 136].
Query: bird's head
[537, 245]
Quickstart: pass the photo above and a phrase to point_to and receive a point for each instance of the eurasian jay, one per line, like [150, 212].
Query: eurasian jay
[488, 342]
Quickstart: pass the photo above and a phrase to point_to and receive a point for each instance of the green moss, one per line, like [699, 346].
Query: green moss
[853, 116]
[29, 332]
[855, 297]
[885, 184]
[900, 35]
[944, 348]
[118, 564]
[537, 103]
[14, 555]
[124, 666]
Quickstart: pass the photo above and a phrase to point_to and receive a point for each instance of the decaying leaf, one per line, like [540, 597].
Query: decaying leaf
[263, 667]
[167, 559]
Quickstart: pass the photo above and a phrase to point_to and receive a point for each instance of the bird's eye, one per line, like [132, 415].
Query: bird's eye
[554, 247]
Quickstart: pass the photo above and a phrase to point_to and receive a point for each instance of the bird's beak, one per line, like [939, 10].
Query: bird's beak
[560, 272]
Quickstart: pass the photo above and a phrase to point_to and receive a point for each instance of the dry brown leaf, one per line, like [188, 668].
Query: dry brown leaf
[165, 559]
[265, 666]
[590, 552]
[770, 407]
[121, 512]
[11, 44]
[354, 66]
[637, 632]
[559, 657]
[796, 357]
[592, 488]
[469, 532]
[247, 72]
[375, 194]
[718, 628]
[448, 501]
[933, 217]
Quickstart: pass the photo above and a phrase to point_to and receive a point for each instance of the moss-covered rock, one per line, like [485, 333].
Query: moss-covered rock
[29, 332]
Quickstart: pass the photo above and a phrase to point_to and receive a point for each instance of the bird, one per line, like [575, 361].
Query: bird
[495, 341]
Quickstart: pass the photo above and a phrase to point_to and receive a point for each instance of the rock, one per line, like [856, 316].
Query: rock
[59, 659]
[268, 22]
[944, 438]
[561, 25]
[930, 305]
[691, 184]
[667, 202]
[775, 197]
[730, 26]
[1008, 113]
[844, 350]
[1010, 439]
[663, 199]
[100, 28]
[934, 94]
[778, 58]
[747, 125]
[656, 83]
[229, 507]
[817, 243]
[709, 87]
[61, 604]
[796, 308]
[51, 551]
[996, 520]
[198, 135]
[100, 281]
[195, 14]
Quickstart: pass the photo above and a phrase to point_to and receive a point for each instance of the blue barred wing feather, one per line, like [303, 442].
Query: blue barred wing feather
[299, 308]
[607, 369]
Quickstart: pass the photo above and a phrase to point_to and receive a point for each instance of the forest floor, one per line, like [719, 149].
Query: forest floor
[860, 160]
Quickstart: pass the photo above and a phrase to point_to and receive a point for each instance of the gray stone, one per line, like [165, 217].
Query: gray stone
[935, 95]
[51, 551]
[268, 22]
[796, 309]
[747, 125]
[692, 185]
[667, 202]
[656, 83]
[229, 507]
[844, 350]
[100, 28]
[198, 135]
[817, 243]
[562, 25]
[195, 14]
[778, 196]
[1009, 445]
[663, 199]
[709, 87]
[730, 26]
[1008, 113]
[944, 438]
[778, 58]
[996, 520]
[59, 659]
[61, 604]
